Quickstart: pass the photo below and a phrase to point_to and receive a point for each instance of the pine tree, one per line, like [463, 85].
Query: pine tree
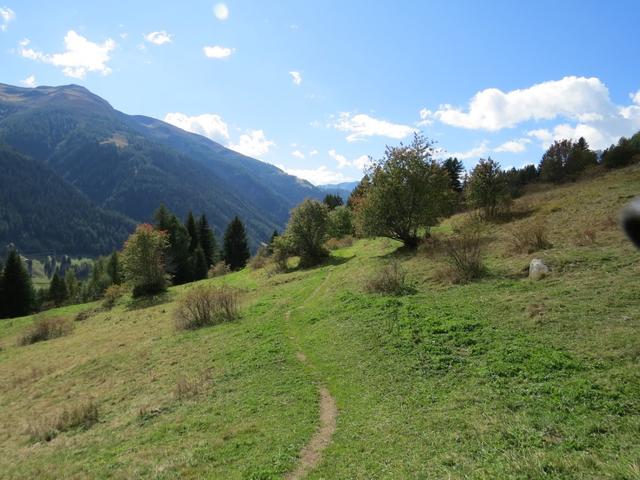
[200, 267]
[73, 287]
[57, 290]
[178, 260]
[113, 269]
[207, 240]
[274, 235]
[17, 291]
[192, 229]
[236, 249]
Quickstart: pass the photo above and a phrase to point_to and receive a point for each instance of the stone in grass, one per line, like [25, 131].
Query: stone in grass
[537, 269]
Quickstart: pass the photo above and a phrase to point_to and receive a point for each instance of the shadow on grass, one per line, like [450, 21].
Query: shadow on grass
[149, 301]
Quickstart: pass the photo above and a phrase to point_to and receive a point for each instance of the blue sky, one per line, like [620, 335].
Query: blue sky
[316, 87]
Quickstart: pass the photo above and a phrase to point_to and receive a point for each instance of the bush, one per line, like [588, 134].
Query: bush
[143, 260]
[204, 306]
[112, 294]
[46, 328]
[530, 237]
[340, 222]
[390, 279]
[219, 269]
[336, 243]
[306, 232]
[46, 429]
[259, 260]
[464, 253]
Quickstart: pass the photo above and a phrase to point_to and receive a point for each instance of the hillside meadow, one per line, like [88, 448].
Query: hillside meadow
[503, 377]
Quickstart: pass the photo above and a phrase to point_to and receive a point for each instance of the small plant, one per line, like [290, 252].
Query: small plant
[530, 237]
[204, 306]
[390, 279]
[46, 328]
[259, 260]
[336, 243]
[112, 294]
[219, 269]
[464, 253]
[82, 415]
[430, 246]
[189, 387]
[586, 237]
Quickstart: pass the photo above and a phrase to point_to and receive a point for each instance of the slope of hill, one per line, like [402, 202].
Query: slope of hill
[40, 212]
[501, 378]
[343, 189]
[129, 164]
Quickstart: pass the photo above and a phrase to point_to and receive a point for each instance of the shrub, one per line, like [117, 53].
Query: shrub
[188, 387]
[336, 243]
[586, 237]
[306, 232]
[219, 269]
[390, 279]
[112, 294]
[203, 306]
[430, 246]
[46, 429]
[46, 328]
[143, 260]
[464, 253]
[530, 237]
[340, 222]
[260, 259]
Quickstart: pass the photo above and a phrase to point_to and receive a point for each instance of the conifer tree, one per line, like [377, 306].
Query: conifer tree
[17, 291]
[207, 240]
[192, 230]
[200, 267]
[113, 269]
[236, 249]
[57, 289]
[178, 260]
[71, 282]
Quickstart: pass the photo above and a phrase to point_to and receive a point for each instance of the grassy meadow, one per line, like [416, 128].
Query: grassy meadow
[503, 377]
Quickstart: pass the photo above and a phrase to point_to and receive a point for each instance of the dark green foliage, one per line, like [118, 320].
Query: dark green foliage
[340, 222]
[113, 269]
[236, 248]
[207, 240]
[143, 260]
[565, 160]
[57, 290]
[16, 291]
[307, 231]
[332, 200]
[359, 192]
[487, 188]
[200, 266]
[178, 260]
[40, 211]
[192, 230]
[455, 170]
[272, 240]
[626, 152]
[517, 178]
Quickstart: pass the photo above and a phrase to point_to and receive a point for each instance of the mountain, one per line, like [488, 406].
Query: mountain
[343, 189]
[130, 164]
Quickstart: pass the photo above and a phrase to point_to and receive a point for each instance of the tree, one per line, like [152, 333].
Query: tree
[113, 269]
[236, 248]
[192, 230]
[340, 222]
[408, 192]
[332, 200]
[17, 291]
[487, 188]
[200, 266]
[57, 290]
[178, 259]
[272, 241]
[71, 282]
[455, 170]
[306, 232]
[143, 262]
[358, 193]
[207, 240]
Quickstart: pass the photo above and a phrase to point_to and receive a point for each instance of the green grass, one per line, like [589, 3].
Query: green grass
[501, 378]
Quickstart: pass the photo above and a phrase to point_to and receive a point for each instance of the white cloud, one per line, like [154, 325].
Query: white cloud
[426, 117]
[596, 139]
[221, 11]
[298, 154]
[492, 109]
[253, 144]
[476, 152]
[514, 146]
[80, 57]
[318, 176]
[6, 15]
[30, 81]
[296, 77]
[217, 51]
[635, 97]
[158, 38]
[208, 124]
[361, 125]
[360, 163]
[313, 152]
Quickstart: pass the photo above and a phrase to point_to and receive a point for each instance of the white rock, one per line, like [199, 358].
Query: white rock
[537, 269]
